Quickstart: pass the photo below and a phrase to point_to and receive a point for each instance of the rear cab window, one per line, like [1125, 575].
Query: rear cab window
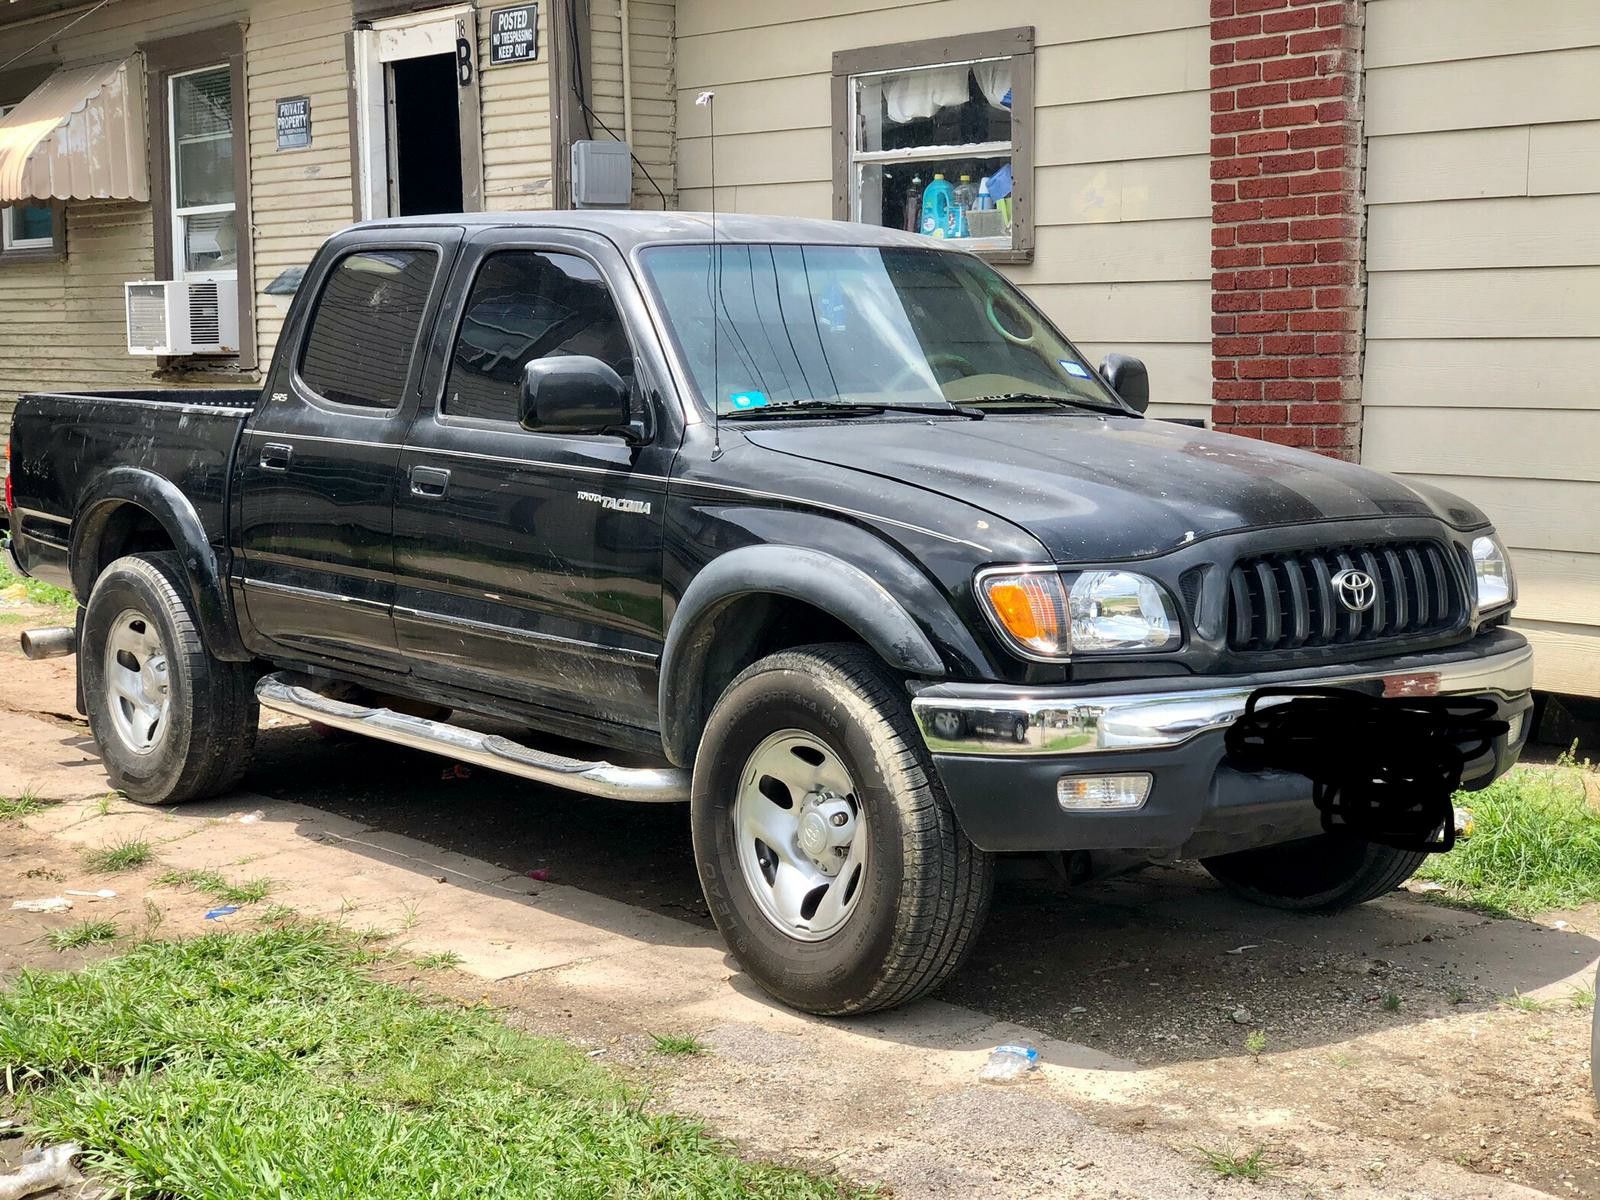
[363, 333]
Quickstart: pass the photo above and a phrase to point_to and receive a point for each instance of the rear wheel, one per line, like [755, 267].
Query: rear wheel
[172, 722]
[1317, 874]
[829, 854]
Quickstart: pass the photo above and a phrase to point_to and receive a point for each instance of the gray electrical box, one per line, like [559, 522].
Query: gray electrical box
[602, 175]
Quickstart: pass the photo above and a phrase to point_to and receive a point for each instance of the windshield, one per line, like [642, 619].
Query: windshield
[859, 325]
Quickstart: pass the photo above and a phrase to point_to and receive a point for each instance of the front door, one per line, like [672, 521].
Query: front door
[528, 564]
[317, 466]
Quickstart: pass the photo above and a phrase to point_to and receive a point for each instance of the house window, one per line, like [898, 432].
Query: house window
[934, 137]
[205, 237]
[26, 226]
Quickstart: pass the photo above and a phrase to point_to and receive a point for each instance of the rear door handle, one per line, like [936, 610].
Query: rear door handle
[429, 482]
[275, 456]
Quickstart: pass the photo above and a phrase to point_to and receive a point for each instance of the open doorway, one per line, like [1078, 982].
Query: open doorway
[417, 131]
[424, 136]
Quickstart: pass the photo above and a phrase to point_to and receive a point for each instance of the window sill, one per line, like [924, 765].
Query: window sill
[43, 254]
[1005, 258]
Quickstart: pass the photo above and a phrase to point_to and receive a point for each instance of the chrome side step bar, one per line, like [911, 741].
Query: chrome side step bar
[648, 785]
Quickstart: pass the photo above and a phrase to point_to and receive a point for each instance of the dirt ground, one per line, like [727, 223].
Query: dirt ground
[1390, 1066]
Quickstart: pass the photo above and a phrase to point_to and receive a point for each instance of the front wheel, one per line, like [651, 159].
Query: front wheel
[1317, 874]
[172, 722]
[829, 855]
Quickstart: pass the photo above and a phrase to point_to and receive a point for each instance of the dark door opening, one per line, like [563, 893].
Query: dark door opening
[425, 136]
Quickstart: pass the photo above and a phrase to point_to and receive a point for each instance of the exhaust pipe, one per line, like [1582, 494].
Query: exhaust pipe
[57, 641]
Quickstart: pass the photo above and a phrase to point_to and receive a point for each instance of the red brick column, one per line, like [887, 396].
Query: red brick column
[1286, 288]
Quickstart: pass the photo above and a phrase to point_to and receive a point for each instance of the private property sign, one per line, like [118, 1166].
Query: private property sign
[294, 123]
[513, 35]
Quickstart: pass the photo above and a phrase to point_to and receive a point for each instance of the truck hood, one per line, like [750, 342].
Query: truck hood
[1100, 489]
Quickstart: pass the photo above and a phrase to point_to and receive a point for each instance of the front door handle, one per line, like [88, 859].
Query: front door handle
[275, 456]
[429, 482]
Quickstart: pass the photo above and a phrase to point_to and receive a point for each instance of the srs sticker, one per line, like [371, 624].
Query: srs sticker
[1074, 368]
[747, 399]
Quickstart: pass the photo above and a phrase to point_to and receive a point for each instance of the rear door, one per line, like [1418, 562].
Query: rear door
[530, 564]
[318, 464]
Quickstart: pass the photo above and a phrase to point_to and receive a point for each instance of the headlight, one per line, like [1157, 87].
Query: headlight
[1101, 611]
[1493, 571]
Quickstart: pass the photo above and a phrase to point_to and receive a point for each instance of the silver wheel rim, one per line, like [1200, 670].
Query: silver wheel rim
[136, 681]
[801, 835]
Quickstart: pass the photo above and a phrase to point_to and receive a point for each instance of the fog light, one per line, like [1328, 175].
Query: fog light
[1515, 731]
[1103, 793]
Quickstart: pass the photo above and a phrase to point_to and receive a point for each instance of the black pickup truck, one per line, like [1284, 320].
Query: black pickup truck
[823, 529]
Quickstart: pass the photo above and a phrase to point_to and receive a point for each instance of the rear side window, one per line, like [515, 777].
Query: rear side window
[526, 305]
[364, 331]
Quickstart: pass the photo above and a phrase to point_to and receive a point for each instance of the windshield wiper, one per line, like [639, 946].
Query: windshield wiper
[851, 408]
[1042, 398]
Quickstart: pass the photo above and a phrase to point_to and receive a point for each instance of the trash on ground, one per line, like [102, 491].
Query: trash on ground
[1242, 949]
[1463, 823]
[456, 771]
[17, 593]
[1427, 885]
[1560, 925]
[249, 818]
[227, 910]
[49, 904]
[102, 894]
[41, 1170]
[542, 874]
[1009, 1063]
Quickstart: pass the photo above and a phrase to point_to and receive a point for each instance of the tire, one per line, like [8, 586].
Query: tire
[921, 889]
[202, 742]
[1324, 873]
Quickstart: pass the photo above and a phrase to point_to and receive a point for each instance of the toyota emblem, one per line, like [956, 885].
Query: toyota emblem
[1356, 590]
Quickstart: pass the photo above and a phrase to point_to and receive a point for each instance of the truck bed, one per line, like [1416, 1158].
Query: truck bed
[72, 448]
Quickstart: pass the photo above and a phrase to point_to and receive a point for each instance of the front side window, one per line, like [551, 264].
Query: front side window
[859, 325]
[526, 305]
[938, 147]
[205, 234]
[26, 226]
[363, 333]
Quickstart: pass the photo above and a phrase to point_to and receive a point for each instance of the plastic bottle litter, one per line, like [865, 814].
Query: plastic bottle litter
[41, 1170]
[49, 904]
[1007, 1064]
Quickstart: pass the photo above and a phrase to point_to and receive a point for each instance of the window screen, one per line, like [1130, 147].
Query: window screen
[359, 347]
[526, 305]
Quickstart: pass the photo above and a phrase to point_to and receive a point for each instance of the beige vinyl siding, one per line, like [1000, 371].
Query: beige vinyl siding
[515, 105]
[1121, 169]
[297, 197]
[1483, 260]
[654, 103]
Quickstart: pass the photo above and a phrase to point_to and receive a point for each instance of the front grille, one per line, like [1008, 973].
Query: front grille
[1287, 601]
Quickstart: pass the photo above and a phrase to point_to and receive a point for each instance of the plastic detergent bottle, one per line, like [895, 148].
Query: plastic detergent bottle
[966, 198]
[938, 203]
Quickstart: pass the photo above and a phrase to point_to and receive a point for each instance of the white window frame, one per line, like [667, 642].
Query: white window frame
[7, 242]
[178, 216]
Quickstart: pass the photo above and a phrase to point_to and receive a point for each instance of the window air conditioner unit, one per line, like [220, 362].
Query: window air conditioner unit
[176, 317]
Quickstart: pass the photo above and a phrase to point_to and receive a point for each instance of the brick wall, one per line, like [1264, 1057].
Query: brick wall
[1286, 291]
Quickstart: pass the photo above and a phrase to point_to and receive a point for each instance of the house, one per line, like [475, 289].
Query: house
[1367, 227]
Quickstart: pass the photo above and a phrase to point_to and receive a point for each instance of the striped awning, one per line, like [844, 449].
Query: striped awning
[80, 135]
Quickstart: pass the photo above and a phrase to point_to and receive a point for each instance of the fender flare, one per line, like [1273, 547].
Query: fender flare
[838, 588]
[172, 510]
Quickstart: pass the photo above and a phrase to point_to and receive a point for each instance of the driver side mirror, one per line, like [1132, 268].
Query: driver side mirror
[1128, 379]
[574, 394]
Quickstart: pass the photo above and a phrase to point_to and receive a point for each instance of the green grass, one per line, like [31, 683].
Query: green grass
[1582, 997]
[212, 883]
[678, 1045]
[15, 807]
[1256, 1042]
[1230, 1164]
[1520, 1003]
[127, 855]
[1392, 1002]
[237, 1066]
[1535, 845]
[85, 933]
[440, 960]
[39, 593]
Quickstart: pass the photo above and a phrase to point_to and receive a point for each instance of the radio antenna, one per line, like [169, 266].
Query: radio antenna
[708, 101]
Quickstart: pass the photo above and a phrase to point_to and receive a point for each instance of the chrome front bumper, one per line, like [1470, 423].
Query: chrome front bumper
[1001, 719]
